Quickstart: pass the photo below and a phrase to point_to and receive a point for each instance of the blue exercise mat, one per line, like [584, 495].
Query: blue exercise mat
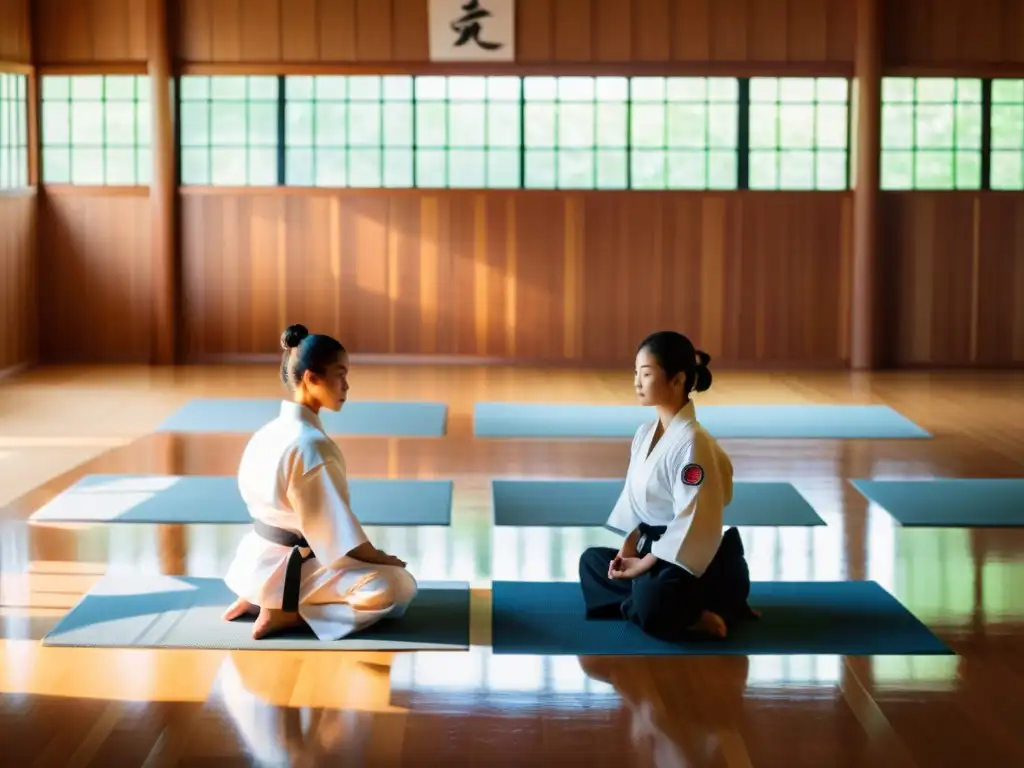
[949, 502]
[833, 422]
[204, 500]
[380, 419]
[154, 611]
[852, 618]
[580, 503]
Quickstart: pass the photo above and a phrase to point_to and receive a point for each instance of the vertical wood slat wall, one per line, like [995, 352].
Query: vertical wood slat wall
[758, 278]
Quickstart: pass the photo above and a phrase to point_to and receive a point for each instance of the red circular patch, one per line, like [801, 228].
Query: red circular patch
[693, 474]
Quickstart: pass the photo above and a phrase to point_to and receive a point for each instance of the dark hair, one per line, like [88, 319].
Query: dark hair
[676, 354]
[306, 352]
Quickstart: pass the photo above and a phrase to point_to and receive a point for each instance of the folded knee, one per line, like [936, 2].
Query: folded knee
[594, 559]
[384, 591]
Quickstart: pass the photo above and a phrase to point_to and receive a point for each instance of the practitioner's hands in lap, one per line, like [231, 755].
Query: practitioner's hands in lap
[626, 567]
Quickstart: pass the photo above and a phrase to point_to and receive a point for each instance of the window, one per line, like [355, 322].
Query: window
[96, 130]
[13, 131]
[349, 131]
[683, 133]
[229, 130]
[1007, 135]
[576, 132]
[480, 132]
[931, 133]
[468, 132]
[798, 133]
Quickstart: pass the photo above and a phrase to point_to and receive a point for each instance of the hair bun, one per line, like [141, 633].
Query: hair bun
[293, 336]
[703, 358]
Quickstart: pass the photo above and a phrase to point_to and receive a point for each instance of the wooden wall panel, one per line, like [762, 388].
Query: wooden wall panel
[548, 31]
[579, 277]
[97, 298]
[953, 270]
[15, 31]
[17, 278]
[946, 33]
[90, 31]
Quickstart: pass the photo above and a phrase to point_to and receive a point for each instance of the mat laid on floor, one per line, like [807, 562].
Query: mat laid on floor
[143, 611]
[379, 419]
[834, 422]
[586, 502]
[949, 502]
[853, 618]
[199, 500]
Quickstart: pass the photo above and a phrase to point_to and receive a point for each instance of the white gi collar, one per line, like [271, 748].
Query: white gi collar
[687, 414]
[298, 412]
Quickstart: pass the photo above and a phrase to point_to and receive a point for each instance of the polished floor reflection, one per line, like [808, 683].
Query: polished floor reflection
[100, 707]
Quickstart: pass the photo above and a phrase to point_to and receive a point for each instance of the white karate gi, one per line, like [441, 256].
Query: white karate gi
[292, 477]
[684, 484]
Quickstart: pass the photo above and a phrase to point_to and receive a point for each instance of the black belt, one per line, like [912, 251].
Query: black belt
[648, 535]
[293, 571]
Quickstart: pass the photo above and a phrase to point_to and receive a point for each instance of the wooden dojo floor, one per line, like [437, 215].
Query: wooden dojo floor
[81, 707]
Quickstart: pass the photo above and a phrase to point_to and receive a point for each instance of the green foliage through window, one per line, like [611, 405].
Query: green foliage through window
[345, 131]
[468, 131]
[799, 130]
[931, 133]
[96, 130]
[683, 132]
[576, 132]
[1007, 135]
[229, 130]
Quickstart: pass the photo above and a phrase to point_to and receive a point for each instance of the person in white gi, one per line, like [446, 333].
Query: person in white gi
[307, 558]
[676, 574]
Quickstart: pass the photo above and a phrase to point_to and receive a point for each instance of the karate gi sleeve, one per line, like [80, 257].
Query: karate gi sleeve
[320, 498]
[701, 489]
[623, 519]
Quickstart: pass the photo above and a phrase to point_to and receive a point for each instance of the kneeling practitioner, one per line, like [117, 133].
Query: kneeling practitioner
[676, 574]
[307, 558]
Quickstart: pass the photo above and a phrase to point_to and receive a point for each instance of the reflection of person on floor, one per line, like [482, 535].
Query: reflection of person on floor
[693, 732]
[676, 574]
[307, 558]
[349, 722]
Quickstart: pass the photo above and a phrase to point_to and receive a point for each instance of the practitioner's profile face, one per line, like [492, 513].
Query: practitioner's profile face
[649, 380]
[331, 389]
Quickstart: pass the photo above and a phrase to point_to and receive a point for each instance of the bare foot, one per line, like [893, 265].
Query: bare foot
[712, 624]
[238, 609]
[271, 621]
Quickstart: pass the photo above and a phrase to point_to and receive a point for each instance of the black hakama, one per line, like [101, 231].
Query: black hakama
[666, 601]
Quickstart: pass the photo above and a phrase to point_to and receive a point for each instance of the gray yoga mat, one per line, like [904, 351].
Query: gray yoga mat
[358, 418]
[200, 499]
[949, 502]
[146, 611]
[582, 503]
[834, 422]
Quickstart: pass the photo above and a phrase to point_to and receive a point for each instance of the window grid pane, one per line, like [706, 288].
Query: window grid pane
[95, 130]
[507, 132]
[931, 133]
[576, 132]
[799, 133]
[349, 131]
[13, 131]
[682, 133]
[468, 132]
[1007, 133]
[229, 130]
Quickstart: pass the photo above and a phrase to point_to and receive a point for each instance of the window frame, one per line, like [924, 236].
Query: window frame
[17, 151]
[742, 144]
[140, 145]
